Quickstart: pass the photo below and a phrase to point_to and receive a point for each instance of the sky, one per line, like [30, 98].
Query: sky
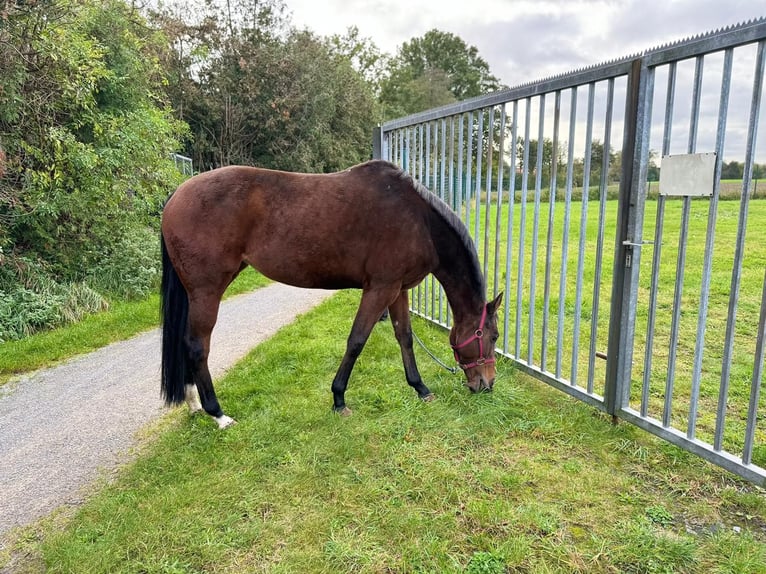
[527, 40]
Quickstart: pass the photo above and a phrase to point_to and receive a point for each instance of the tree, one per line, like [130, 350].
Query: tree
[363, 55]
[259, 93]
[85, 128]
[732, 170]
[437, 69]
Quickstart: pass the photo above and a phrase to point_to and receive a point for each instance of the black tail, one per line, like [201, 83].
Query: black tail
[174, 311]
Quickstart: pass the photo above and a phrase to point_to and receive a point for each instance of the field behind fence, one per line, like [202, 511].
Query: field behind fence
[531, 312]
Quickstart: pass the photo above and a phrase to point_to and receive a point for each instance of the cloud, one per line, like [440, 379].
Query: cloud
[529, 47]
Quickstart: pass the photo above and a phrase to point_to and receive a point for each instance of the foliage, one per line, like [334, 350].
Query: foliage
[31, 300]
[86, 138]
[736, 170]
[130, 265]
[260, 93]
[436, 69]
[86, 134]
[365, 57]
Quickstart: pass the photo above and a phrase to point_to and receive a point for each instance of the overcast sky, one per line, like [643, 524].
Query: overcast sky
[526, 40]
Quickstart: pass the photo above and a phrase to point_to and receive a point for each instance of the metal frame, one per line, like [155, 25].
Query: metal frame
[461, 151]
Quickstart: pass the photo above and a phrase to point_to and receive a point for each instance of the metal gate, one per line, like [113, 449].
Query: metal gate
[641, 298]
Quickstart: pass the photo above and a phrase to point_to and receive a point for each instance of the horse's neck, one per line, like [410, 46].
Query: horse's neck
[458, 273]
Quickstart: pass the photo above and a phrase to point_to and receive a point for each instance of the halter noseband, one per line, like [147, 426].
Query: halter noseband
[477, 335]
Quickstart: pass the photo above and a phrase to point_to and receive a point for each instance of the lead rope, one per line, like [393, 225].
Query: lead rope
[436, 359]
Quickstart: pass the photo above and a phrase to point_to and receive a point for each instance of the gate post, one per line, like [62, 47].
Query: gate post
[628, 240]
[377, 143]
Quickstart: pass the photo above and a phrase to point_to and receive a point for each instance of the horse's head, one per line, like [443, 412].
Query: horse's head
[473, 341]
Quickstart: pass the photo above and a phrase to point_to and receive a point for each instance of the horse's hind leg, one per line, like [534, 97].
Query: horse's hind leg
[192, 398]
[400, 319]
[203, 312]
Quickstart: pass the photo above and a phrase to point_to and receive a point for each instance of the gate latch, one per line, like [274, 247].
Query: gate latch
[629, 245]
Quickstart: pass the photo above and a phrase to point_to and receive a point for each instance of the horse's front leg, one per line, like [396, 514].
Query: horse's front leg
[400, 319]
[374, 302]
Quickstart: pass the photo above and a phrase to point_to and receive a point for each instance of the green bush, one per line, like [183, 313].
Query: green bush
[32, 300]
[131, 267]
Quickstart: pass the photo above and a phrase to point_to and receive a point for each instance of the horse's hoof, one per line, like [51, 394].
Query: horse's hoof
[344, 412]
[225, 421]
[428, 398]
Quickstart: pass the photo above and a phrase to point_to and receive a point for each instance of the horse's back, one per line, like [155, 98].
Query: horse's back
[312, 230]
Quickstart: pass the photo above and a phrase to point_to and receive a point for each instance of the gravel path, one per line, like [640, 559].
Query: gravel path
[60, 427]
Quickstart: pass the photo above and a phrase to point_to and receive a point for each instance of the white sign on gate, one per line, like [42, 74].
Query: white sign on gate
[690, 174]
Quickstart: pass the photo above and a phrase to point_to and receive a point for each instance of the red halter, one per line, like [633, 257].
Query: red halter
[477, 335]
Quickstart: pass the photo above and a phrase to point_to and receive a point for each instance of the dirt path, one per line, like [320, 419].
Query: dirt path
[60, 427]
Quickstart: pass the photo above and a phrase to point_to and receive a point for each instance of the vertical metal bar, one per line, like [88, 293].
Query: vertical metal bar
[451, 188]
[736, 274]
[442, 195]
[420, 179]
[443, 162]
[498, 218]
[603, 188]
[407, 160]
[522, 227]
[583, 225]
[420, 153]
[630, 216]
[395, 146]
[682, 242]
[427, 180]
[681, 259]
[451, 176]
[676, 315]
[477, 198]
[535, 231]
[565, 234]
[377, 143]
[657, 256]
[460, 136]
[488, 187]
[402, 148]
[435, 188]
[549, 241]
[509, 231]
[707, 264]
[755, 388]
[468, 169]
[386, 145]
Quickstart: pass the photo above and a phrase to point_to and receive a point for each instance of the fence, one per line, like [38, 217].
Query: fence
[183, 164]
[650, 309]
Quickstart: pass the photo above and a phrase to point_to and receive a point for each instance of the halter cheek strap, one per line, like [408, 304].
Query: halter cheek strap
[477, 336]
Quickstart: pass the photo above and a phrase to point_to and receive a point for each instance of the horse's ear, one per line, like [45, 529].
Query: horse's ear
[493, 305]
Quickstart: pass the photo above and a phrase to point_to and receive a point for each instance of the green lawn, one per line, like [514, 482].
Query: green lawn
[573, 366]
[524, 479]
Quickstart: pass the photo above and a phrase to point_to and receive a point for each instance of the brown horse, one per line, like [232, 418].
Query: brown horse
[371, 227]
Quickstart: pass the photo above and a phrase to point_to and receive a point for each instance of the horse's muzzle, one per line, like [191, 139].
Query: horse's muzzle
[481, 385]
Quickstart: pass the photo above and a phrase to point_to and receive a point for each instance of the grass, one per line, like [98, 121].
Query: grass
[521, 480]
[122, 320]
[560, 358]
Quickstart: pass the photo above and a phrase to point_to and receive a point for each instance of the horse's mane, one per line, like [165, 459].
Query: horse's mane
[450, 218]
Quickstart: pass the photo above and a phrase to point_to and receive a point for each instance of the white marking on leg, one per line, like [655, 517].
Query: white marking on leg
[224, 421]
[192, 399]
